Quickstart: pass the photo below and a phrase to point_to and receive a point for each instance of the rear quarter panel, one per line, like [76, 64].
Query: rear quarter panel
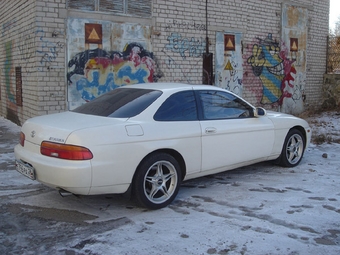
[116, 155]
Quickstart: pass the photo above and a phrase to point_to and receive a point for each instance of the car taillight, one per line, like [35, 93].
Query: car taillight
[65, 151]
[22, 139]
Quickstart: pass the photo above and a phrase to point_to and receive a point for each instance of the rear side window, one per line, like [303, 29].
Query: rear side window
[120, 103]
[178, 107]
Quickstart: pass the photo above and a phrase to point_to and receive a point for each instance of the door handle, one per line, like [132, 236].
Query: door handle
[210, 130]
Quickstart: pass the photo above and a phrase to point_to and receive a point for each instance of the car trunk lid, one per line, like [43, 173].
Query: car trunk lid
[57, 127]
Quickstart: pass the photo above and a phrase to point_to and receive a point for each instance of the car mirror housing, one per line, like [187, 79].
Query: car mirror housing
[259, 111]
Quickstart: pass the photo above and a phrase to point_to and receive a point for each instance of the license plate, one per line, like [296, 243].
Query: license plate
[25, 169]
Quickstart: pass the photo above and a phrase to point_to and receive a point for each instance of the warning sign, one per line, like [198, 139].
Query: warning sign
[228, 66]
[93, 33]
[294, 44]
[229, 42]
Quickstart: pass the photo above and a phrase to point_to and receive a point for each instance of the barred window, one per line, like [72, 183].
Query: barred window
[112, 6]
[141, 8]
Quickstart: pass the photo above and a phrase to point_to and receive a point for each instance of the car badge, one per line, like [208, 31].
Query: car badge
[33, 134]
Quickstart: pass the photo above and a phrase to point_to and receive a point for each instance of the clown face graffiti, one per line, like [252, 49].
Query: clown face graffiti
[268, 66]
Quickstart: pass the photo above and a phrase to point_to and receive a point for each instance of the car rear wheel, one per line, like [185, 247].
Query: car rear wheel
[293, 149]
[157, 181]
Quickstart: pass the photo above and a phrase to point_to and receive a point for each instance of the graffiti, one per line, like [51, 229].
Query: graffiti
[26, 46]
[184, 25]
[229, 62]
[171, 63]
[78, 62]
[8, 26]
[158, 73]
[8, 70]
[53, 53]
[49, 50]
[273, 69]
[184, 46]
[97, 71]
[190, 70]
[233, 78]
[289, 71]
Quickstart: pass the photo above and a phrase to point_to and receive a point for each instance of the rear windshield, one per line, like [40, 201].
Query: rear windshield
[120, 103]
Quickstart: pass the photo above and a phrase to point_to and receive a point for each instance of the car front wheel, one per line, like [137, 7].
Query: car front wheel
[293, 149]
[157, 181]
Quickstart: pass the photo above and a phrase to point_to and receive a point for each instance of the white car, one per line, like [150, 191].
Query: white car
[148, 138]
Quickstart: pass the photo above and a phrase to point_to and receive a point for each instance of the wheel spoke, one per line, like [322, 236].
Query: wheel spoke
[153, 191]
[165, 191]
[290, 156]
[167, 177]
[159, 169]
[290, 150]
[150, 179]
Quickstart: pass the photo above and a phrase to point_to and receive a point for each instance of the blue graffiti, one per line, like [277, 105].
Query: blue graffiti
[139, 75]
[92, 89]
[195, 47]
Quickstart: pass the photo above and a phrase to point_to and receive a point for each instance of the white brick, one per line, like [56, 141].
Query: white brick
[255, 19]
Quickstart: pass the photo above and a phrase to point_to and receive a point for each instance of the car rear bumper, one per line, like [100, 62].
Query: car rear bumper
[74, 176]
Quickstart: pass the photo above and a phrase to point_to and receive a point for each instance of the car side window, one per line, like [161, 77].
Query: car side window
[223, 105]
[180, 106]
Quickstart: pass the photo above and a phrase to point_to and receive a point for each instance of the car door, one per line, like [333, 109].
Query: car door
[231, 135]
[177, 121]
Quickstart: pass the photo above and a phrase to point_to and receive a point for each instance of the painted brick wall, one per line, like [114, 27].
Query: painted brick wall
[27, 41]
[50, 55]
[34, 37]
[178, 26]
[181, 30]
[17, 45]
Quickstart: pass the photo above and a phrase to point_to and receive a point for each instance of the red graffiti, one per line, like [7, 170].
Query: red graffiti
[288, 79]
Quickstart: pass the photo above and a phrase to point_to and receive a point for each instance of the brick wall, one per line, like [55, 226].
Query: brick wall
[255, 20]
[317, 50]
[50, 25]
[17, 45]
[27, 41]
[180, 39]
[34, 37]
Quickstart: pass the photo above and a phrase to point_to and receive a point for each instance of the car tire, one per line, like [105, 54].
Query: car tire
[157, 181]
[293, 149]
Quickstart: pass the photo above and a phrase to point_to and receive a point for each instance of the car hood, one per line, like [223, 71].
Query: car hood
[57, 127]
[273, 114]
[284, 120]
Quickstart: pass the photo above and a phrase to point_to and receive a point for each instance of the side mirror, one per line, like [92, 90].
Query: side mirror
[259, 111]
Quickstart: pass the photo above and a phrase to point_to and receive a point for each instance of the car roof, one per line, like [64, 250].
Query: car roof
[170, 86]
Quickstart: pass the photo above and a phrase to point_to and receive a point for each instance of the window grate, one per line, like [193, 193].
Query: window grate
[18, 84]
[140, 8]
[111, 6]
[84, 5]
[333, 54]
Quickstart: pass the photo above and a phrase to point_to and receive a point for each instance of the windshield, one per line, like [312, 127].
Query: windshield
[120, 103]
